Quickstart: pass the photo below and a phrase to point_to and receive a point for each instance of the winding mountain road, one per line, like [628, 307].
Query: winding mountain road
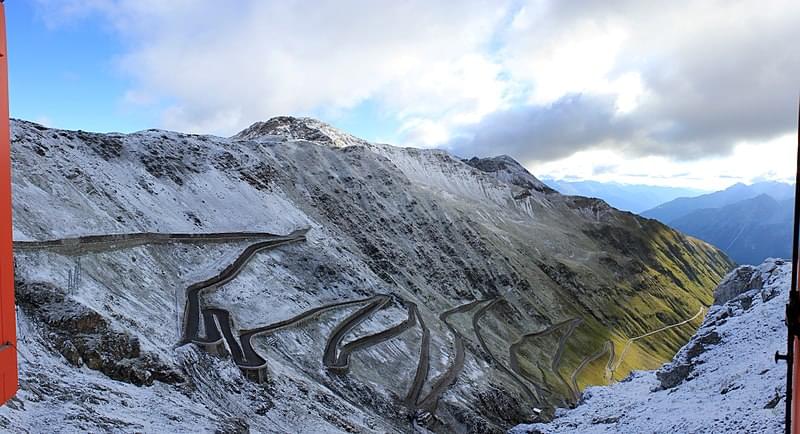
[608, 347]
[665, 328]
[513, 350]
[448, 378]
[97, 243]
[218, 328]
[423, 366]
[341, 363]
[556, 362]
[193, 313]
[534, 396]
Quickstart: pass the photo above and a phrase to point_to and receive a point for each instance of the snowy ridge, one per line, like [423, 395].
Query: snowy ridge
[510, 171]
[419, 225]
[293, 128]
[443, 173]
[723, 380]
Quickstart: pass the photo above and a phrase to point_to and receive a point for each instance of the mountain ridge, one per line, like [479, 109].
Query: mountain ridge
[749, 230]
[748, 222]
[421, 227]
[629, 197]
[681, 207]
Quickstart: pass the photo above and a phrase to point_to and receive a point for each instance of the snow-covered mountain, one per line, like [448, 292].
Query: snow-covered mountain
[723, 380]
[426, 292]
[510, 171]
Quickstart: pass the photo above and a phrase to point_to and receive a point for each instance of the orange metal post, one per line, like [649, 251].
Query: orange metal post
[792, 320]
[795, 429]
[8, 323]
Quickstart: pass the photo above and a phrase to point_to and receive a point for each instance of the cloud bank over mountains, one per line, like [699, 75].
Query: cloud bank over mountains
[540, 80]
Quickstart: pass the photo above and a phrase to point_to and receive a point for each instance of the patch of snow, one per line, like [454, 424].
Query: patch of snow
[18, 235]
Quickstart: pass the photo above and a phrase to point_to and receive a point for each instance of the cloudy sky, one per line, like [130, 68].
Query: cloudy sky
[689, 93]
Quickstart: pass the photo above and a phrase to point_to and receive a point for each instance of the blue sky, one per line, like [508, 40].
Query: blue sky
[66, 76]
[566, 87]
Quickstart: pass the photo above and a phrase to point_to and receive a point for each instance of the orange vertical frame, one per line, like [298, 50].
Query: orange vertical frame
[8, 323]
[793, 394]
[795, 411]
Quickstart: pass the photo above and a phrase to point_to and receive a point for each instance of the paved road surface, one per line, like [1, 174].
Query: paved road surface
[498, 363]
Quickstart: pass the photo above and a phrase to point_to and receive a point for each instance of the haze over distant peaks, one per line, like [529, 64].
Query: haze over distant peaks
[748, 222]
[629, 197]
[681, 207]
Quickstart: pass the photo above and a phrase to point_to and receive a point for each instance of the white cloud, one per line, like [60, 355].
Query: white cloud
[573, 57]
[629, 90]
[225, 67]
[748, 162]
[424, 133]
[537, 79]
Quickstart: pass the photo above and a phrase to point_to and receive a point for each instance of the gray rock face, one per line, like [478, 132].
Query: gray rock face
[513, 291]
[509, 170]
[84, 337]
[672, 374]
[733, 296]
[742, 279]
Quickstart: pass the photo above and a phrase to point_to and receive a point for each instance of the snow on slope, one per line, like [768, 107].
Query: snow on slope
[723, 380]
[510, 171]
[56, 397]
[418, 224]
[309, 129]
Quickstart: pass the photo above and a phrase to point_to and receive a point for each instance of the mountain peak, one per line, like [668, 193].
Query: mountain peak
[299, 128]
[737, 186]
[509, 170]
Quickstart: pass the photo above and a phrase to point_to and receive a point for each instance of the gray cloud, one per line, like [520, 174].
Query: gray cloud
[545, 132]
[740, 86]
[716, 73]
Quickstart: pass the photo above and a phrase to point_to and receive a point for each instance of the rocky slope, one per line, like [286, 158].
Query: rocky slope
[428, 292]
[723, 380]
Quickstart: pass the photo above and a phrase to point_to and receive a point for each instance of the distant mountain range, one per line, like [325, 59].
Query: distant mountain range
[628, 197]
[748, 222]
[683, 206]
